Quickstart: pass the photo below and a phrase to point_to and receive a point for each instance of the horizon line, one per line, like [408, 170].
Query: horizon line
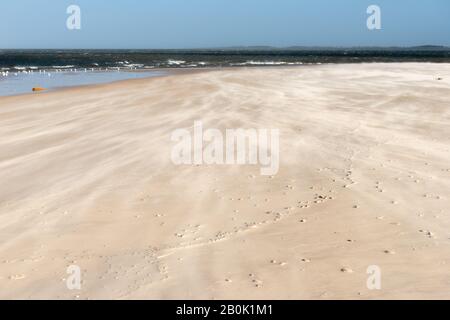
[260, 47]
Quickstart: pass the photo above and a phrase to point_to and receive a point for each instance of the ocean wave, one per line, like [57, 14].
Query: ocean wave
[63, 61]
[175, 62]
[63, 67]
[133, 65]
[267, 63]
[260, 63]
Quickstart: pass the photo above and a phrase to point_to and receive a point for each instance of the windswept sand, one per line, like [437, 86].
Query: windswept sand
[364, 179]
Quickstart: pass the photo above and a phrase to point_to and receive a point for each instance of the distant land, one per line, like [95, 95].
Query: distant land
[318, 48]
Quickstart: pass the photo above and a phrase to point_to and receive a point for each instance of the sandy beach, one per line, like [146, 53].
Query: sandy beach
[363, 180]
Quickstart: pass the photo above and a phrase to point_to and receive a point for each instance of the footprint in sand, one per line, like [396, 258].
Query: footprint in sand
[257, 283]
[303, 204]
[320, 198]
[282, 264]
[428, 233]
[346, 270]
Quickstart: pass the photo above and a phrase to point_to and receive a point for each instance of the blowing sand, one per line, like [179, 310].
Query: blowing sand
[364, 180]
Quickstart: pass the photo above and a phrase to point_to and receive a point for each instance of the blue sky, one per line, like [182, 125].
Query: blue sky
[218, 23]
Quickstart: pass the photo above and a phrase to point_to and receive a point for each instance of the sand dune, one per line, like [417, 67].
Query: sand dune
[364, 180]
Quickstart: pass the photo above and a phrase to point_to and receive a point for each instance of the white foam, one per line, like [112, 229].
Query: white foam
[63, 67]
[175, 62]
[133, 65]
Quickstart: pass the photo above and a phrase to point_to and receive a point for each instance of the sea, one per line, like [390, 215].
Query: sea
[21, 70]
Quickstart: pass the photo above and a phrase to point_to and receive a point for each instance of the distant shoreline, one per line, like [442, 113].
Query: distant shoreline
[161, 72]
